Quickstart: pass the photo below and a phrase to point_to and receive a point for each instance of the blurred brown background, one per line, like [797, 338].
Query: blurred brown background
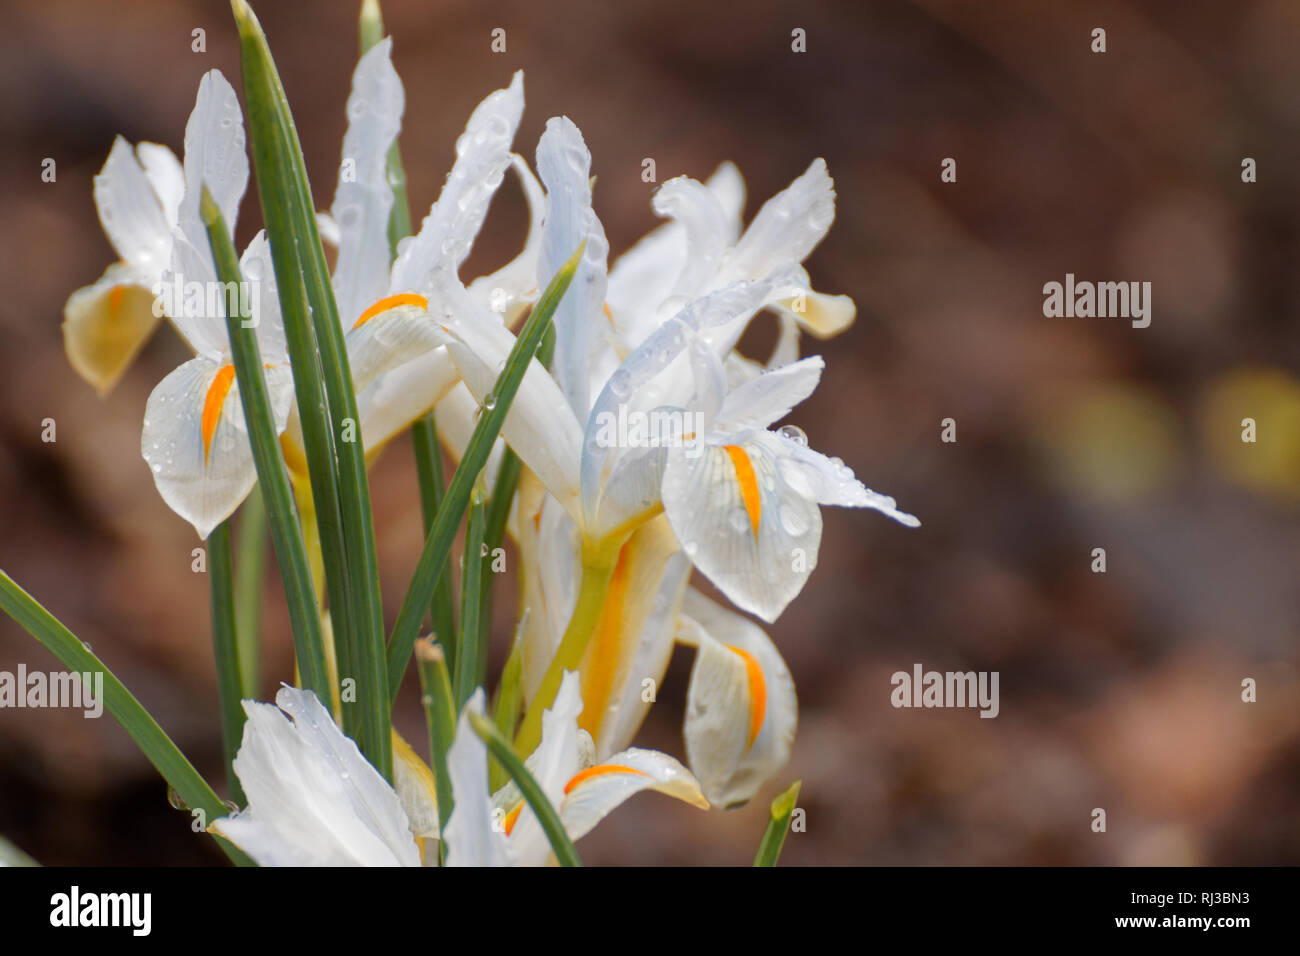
[1118, 690]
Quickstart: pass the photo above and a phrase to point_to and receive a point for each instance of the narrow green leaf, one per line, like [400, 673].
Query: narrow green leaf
[295, 241]
[500, 748]
[225, 649]
[440, 714]
[309, 644]
[121, 705]
[250, 579]
[774, 836]
[438, 542]
[468, 644]
[428, 467]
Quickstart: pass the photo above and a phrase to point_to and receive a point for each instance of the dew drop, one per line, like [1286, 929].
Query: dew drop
[174, 798]
[793, 433]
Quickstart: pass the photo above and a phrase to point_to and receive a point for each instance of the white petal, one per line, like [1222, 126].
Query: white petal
[364, 198]
[741, 710]
[131, 213]
[511, 287]
[770, 397]
[564, 165]
[448, 231]
[165, 176]
[204, 485]
[742, 523]
[214, 156]
[106, 324]
[258, 272]
[472, 836]
[557, 758]
[707, 229]
[786, 229]
[395, 399]
[550, 563]
[597, 791]
[539, 426]
[313, 799]
[195, 301]
[389, 340]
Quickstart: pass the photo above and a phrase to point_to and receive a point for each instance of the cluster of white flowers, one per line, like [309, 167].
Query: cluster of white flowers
[655, 334]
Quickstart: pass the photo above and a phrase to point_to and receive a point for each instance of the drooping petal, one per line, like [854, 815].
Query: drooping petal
[131, 213]
[214, 156]
[596, 791]
[195, 440]
[741, 709]
[564, 164]
[106, 324]
[741, 523]
[364, 199]
[473, 835]
[448, 231]
[391, 332]
[313, 799]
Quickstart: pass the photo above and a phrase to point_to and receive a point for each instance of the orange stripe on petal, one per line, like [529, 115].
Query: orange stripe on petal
[748, 484]
[213, 403]
[513, 817]
[757, 692]
[115, 297]
[582, 776]
[391, 302]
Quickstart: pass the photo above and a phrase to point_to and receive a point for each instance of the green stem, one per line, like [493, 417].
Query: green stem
[428, 467]
[440, 714]
[496, 405]
[250, 581]
[301, 268]
[469, 647]
[597, 569]
[528, 786]
[225, 648]
[174, 767]
[309, 644]
[777, 826]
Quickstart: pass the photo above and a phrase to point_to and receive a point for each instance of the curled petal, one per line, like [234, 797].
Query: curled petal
[741, 709]
[106, 324]
[596, 791]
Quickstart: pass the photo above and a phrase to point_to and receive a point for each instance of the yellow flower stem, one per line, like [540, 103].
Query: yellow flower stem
[598, 561]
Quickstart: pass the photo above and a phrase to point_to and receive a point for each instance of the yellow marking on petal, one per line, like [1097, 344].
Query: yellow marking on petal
[757, 691]
[213, 403]
[748, 484]
[602, 656]
[608, 314]
[513, 817]
[391, 302]
[582, 776]
[115, 297]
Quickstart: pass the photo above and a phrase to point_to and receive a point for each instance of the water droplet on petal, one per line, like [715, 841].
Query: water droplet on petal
[793, 433]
